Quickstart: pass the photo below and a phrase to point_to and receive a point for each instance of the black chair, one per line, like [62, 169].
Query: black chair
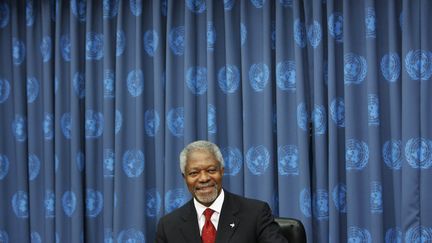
[292, 229]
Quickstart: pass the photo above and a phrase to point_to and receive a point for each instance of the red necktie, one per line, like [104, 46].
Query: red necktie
[208, 234]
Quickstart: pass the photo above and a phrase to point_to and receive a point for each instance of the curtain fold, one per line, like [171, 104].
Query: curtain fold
[320, 108]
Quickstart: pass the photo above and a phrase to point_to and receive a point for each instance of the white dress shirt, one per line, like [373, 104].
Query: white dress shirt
[216, 206]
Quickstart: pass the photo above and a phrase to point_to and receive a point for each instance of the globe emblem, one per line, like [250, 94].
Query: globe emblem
[258, 76]
[120, 42]
[29, 13]
[131, 235]
[151, 41]
[355, 68]
[20, 204]
[286, 75]
[233, 159]
[78, 84]
[356, 154]
[391, 66]
[109, 84]
[337, 111]
[373, 110]
[32, 89]
[65, 47]
[33, 166]
[80, 160]
[175, 198]
[45, 48]
[176, 39]
[153, 203]
[339, 195]
[49, 204]
[133, 163]
[108, 163]
[243, 33]
[196, 80]
[211, 119]
[288, 160]
[4, 166]
[321, 204]
[118, 121]
[418, 64]
[108, 235]
[418, 152]
[175, 121]
[211, 36]
[229, 78]
[196, 6]
[19, 128]
[335, 26]
[286, 3]
[319, 118]
[299, 33]
[258, 159]
[357, 234]
[306, 203]
[302, 116]
[66, 125]
[376, 202]
[18, 51]
[48, 126]
[4, 90]
[94, 46]
[370, 22]
[392, 154]
[4, 237]
[94, 124]
[228, 4]
[79, 9]
[110, 8]
[69, 203]
[93, 202]
[314, 34]
[152, 122]
[393, 235]
[258, 3]
[35, 237]
[135, 82]
[4, 16]
[136, 7]
[419, 234]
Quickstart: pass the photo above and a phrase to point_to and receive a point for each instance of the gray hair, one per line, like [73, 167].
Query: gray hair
[203, 146]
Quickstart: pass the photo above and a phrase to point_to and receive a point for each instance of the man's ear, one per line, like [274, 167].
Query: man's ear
[222, 170]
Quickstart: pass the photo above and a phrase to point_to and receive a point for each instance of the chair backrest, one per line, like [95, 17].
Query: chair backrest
[292, 229]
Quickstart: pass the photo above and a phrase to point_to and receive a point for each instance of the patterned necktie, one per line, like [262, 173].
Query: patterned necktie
[208, 234]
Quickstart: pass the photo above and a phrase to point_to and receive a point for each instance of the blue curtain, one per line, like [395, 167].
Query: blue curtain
[321, 108]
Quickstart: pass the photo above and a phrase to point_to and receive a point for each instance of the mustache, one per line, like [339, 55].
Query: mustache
[208, 184]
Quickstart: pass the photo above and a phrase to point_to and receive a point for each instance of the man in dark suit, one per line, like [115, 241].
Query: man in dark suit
[215, 215]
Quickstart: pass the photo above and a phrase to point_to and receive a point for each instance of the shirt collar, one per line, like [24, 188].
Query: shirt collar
[215, 206]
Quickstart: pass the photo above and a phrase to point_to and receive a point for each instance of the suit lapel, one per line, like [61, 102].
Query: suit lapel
[228, 221]
[189, 228]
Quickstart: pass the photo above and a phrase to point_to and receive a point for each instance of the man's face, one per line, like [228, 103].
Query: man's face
[203, 176]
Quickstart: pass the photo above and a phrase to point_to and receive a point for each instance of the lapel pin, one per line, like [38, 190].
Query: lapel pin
[232, 225]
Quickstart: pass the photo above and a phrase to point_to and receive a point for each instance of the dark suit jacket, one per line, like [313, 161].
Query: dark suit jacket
[241, 220]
